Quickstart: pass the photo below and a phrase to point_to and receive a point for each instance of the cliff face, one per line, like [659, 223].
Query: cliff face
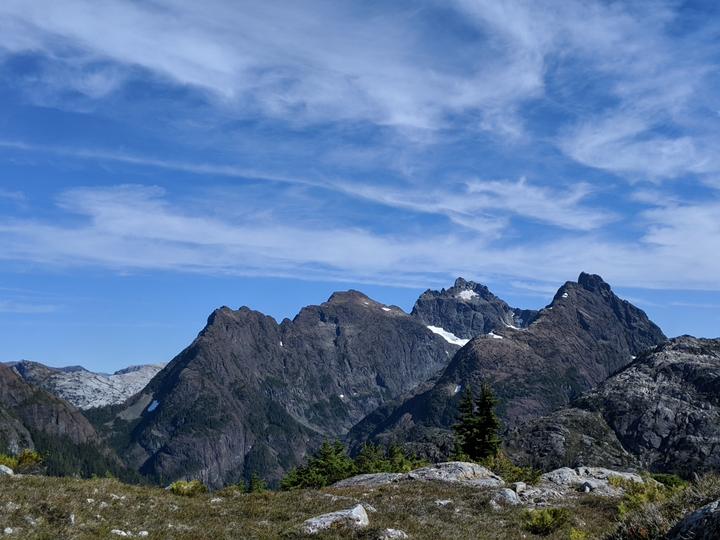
[251, 394]
[27, 406]
[664, 408]
[573, 344]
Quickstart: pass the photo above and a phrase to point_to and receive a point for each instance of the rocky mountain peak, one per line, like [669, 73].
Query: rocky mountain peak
[467, 309]
[573, 344]
[593, 283]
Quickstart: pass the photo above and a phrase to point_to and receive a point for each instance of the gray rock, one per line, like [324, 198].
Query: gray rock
[598, 476]
[366, 480]
[4, 469]
[391, 534]
[507, 496]
[456, 471]
[703, 524]
[588, 486]
[519, 487]
[354, 517]
[451, 471]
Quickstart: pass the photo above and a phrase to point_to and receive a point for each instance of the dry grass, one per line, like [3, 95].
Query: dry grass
[59, 508]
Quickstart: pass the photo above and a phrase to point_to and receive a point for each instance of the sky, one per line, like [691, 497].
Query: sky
[162, 158]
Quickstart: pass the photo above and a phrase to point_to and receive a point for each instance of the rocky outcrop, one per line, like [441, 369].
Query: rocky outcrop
[663, 410]
[251, 394]
[469, 474]
[567, 438]
[574, 343]
[703, 524]
[85, 389]
[467, 309]
[353, 518]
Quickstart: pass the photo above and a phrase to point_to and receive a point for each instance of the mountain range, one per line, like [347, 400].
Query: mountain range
[250, 394]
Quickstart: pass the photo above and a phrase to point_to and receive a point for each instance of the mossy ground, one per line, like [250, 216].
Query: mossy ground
[48, 508]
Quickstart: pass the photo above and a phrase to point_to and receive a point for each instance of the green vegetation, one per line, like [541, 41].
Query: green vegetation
[648, 513]
[27, 461]
[477, 426]
[476, 438]
[40, 508]
[256, 484]
[331, 464]
[188, 488]
[544, 521]
[503, 466]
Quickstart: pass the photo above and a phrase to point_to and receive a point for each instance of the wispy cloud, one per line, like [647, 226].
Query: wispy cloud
[7, 306]
[136, 227]
[471, 203]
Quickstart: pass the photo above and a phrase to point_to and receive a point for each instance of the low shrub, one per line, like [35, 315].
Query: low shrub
[188, 488]
[544, 521]
[24, 462]
[503, 466]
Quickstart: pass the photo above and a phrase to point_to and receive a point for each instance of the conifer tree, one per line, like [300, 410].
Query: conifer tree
[256, 484]
[477, 425]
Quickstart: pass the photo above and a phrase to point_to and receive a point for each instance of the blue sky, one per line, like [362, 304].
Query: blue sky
[159, 159]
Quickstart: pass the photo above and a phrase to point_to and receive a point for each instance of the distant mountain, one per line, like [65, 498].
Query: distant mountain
[250, 394]
[571, 345]
[663, 408]
[31, 417]
[85, 389]
[467, 309]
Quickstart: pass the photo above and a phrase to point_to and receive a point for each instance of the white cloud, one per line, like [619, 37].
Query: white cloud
[136, 227]
[473, 204]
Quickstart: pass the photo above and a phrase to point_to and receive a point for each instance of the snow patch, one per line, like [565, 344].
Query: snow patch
[281, 343]
[565, 295]
[458, 388]
[342, 396]
[494, 335]
[448, 336]
[386, 309]
[467, 295]
[153, 406]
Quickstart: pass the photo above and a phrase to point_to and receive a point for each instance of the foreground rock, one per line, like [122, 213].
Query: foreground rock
[452, 471]
[703, 524]
[355, 518]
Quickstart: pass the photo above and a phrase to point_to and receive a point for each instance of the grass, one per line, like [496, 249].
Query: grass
[38, 507]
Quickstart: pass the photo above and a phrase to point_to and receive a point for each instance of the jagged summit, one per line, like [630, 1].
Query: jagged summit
[467, 309]
[571, 345]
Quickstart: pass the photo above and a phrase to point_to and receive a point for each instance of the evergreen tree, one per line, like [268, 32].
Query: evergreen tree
[477, 425]
[256, 484]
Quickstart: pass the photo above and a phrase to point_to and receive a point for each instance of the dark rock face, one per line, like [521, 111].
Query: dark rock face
[585, 334]
[24, 406]
[250, 394]
[468, 309]
[567, 438]
[665, 406]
